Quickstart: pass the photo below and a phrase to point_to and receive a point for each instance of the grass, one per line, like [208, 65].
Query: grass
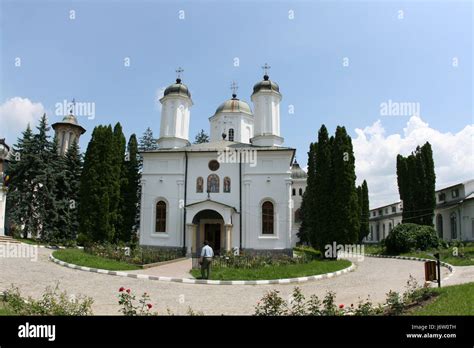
[446, 255]
[276, 272]
[451, 300]
[28, 241]
[4, 310]
[81, 258]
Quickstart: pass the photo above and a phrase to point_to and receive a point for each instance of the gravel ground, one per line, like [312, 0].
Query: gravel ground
[373, 276]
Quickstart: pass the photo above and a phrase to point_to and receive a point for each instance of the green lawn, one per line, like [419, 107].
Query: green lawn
[28, 241]
[451, 300]
[276, 272]
[446, 254]
[81, 258]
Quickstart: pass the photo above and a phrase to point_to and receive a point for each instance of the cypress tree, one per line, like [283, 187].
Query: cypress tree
[346, 213]
[73, 169]
[117, 180]
[364, 211]
[96, 185]
[130, 192]
[416, 185]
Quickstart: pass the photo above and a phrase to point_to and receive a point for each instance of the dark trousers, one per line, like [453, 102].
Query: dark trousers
[206, 267]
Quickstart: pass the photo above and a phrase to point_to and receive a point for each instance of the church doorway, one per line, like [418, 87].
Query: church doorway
[209, 226]
[212, 233]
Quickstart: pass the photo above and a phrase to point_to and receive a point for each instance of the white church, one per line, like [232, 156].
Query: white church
[240, 191]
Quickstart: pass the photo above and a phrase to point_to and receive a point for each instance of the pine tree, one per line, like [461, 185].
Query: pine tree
[201, 137]
[130, 192]
[147, 141]
[20, 205]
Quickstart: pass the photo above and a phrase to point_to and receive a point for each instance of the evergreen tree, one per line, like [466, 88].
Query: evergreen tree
[20, 203]
[364, 211]
[346, 217]
[331, 211]
[130, 192]
[117, 181]
[147, 141]
[96, 185]
[73, 169]
[201, 137]
[416, 185]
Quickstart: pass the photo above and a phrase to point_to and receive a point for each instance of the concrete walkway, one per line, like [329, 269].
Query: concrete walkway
[178, 269]
[373, 276]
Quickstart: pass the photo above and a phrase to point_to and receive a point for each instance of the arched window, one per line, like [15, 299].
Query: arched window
[231, 134]
[371, 232]
[160, 222]
[294, 192]
[226, 184]
[213, 183]
[439, 225]
[383, 231]
[199, 184]
[389, 227]
[298, 215]
[300, 191]
[267, 217]
[454, 230]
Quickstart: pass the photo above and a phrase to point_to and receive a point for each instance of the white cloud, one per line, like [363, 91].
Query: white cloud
[15, 114]
[376, 153]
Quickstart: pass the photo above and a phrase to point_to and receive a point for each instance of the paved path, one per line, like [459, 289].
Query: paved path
[178, 269]
[374, 276]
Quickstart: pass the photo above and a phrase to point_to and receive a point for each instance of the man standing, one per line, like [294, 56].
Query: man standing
[206, 258]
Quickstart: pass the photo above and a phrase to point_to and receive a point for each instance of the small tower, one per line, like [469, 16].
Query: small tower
[233, 120]
[67, 131]
[175, 114]
[266, 98]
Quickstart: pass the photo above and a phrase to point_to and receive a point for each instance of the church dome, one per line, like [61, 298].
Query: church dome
[70, 119]
[234, 105]
[297, 172]
[177, 88]
[267, 85]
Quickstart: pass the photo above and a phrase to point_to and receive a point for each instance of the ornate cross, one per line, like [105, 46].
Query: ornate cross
[234, 87]
[73, 105]
[265, 68]
[179, 71]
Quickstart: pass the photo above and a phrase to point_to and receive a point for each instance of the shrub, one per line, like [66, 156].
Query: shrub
[129, 308]
[52, 302]
[309, 252]
[407, 237]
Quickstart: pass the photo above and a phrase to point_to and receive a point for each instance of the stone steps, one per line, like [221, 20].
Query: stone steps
[8, 239]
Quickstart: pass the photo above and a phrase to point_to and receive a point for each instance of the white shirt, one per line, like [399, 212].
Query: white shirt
[207, 251]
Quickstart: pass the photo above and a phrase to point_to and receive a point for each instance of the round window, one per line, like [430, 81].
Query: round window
[214, 165]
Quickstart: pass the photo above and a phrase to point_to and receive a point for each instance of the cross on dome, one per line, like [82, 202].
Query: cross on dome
[234, 87]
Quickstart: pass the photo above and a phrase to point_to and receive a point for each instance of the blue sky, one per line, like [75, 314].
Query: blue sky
[404, 60]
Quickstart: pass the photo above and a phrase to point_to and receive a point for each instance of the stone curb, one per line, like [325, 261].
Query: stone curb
[444, 264]
[204, 281]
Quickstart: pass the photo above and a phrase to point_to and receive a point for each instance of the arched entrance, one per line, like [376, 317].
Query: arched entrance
[209, 226]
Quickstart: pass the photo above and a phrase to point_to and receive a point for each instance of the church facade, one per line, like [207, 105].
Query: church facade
[237, 191]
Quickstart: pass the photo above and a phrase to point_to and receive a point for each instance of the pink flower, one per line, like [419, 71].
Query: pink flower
[121, 289]
[341, 306]
[149, 306]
